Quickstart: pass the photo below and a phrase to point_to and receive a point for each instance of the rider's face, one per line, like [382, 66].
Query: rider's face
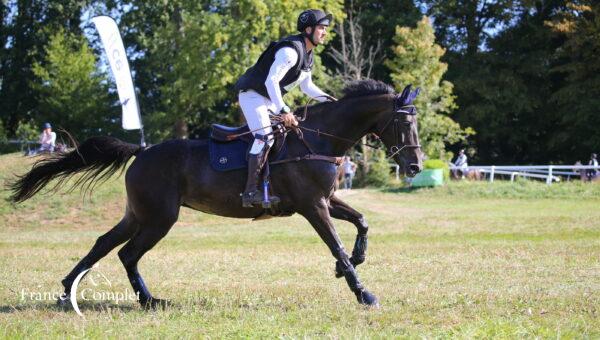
[320, 33]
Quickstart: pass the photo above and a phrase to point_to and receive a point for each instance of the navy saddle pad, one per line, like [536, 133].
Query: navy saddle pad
[225, 156]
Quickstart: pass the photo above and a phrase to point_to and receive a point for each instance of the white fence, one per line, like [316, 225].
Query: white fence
[550, 173]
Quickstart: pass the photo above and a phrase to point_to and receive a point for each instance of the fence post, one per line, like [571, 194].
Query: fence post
[492, 173]
[549, 178]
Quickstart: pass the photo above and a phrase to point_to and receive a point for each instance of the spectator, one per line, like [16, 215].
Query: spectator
[349, 169]
[47, 139]
[461, 164]
[591, 173]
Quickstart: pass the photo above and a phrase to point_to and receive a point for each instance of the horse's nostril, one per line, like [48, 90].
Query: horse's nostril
[414, 168]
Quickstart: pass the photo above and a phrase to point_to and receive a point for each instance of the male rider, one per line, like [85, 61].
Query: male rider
[282, 66]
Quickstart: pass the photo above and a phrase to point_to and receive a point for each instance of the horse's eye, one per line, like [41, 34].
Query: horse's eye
[407, 124]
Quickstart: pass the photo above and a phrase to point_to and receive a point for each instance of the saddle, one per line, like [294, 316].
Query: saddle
[229, 146]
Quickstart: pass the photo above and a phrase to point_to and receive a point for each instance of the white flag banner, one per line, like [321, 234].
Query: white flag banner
[115, 52]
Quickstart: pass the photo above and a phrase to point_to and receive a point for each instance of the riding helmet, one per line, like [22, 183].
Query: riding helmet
[313, 17]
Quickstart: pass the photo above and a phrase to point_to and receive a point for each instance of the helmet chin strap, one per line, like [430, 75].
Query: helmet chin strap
[311, 36]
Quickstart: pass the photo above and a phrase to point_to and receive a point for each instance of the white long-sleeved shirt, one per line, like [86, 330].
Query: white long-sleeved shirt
[47, 139]
[285, 59]
[461, 161]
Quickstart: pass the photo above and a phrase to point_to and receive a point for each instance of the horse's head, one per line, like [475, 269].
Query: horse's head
[398, 131]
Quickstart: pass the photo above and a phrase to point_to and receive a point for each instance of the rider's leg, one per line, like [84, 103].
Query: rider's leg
[256, 111]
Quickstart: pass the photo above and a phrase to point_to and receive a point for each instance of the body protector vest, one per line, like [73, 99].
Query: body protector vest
[255, 76]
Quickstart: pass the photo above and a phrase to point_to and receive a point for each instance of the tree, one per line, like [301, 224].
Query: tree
[417, 62]
[72, 93]
[578, 63]
[25, 29]
[209, 49]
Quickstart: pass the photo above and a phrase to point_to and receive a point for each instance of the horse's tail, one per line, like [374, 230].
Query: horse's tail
[97, 158]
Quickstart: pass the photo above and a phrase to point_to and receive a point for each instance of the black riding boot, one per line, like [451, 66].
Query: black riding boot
[253, 195]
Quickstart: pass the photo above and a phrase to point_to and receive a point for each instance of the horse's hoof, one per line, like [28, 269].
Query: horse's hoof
[64, 301]
[154, 304]
[368, 299]
[338, 270]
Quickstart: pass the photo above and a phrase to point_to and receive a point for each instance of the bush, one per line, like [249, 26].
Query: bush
[379, 171]
[438, 164]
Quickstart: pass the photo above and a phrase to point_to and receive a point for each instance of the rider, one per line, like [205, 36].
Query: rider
[283, 65]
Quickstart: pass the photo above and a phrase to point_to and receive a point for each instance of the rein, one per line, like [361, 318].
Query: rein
[279, 129]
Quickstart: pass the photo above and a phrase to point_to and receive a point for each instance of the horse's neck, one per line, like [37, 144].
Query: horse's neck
[348, 119]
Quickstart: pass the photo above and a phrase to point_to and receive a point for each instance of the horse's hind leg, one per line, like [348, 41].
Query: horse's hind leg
[144, 239]
[340, 210]
[318, 216]
[104, 244]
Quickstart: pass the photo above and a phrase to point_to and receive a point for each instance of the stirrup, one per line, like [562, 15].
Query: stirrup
[252, 198]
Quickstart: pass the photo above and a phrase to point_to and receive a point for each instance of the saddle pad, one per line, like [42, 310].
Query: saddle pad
[228, 156]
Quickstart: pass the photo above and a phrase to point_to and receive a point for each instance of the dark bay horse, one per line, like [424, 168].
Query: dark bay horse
[177, 173]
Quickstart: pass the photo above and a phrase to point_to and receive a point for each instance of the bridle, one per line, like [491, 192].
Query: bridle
[399, 111]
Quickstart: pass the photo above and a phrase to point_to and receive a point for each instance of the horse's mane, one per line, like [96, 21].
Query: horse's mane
[359, 88]
[366, 87]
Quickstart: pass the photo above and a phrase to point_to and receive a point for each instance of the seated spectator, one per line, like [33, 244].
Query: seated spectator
[591, 173]
[461, 165]
[47, 139]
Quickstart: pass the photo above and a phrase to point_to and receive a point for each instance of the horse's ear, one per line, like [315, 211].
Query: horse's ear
[413, 95]
[405, 94]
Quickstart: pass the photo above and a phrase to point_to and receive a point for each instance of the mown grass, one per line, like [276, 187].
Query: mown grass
[467, 260]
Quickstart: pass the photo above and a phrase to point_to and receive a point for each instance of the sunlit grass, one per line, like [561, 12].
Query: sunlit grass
[467, 260]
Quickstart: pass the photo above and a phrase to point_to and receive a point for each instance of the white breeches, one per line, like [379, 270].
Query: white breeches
[256, 111]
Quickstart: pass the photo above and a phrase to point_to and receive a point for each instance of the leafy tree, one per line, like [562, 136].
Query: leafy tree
[578, 63]
[209, 49]
[466, 25]
[25, 29]
[72, 93]
[417, 62]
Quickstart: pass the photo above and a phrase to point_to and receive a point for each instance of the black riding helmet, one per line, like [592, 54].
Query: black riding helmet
[312, 18]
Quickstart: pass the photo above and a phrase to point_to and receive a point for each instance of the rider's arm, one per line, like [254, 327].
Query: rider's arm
[312, 90]
[285, 59]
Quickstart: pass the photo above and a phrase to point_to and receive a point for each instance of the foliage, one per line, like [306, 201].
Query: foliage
[379, 170]
[25, 31]
[28, 131]
[578, 62]
[203, 52]
[72, 93]
[417, 62]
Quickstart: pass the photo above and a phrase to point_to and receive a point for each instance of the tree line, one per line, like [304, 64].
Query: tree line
[512, 81]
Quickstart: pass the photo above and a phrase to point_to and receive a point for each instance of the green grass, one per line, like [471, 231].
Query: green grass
[468, 260]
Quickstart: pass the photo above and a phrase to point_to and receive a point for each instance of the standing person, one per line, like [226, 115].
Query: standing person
[283, 65]
[349, 168]
[47, 139]
[461, 164]
[591, 173]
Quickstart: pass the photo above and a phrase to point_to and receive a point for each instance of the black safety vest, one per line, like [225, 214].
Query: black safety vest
[255, 76]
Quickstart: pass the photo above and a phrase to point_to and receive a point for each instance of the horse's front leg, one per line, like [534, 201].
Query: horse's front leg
[340, 210]
[318, 216]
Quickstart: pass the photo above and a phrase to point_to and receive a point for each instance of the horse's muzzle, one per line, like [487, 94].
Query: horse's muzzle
[413, 169]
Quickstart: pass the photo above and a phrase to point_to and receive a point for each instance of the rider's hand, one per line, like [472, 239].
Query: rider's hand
[289, 120]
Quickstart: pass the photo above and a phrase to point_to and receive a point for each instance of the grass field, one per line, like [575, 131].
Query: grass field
[466, 260]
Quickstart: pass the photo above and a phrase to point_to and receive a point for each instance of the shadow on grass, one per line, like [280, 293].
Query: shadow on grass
[53, 307]
[404, 190]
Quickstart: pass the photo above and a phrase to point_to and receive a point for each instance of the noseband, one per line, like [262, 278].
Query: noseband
[406, 110]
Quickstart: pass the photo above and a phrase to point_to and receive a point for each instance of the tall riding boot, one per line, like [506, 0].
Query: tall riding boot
[252, 195]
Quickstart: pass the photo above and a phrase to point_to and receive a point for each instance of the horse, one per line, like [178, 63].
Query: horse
[176, 173]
